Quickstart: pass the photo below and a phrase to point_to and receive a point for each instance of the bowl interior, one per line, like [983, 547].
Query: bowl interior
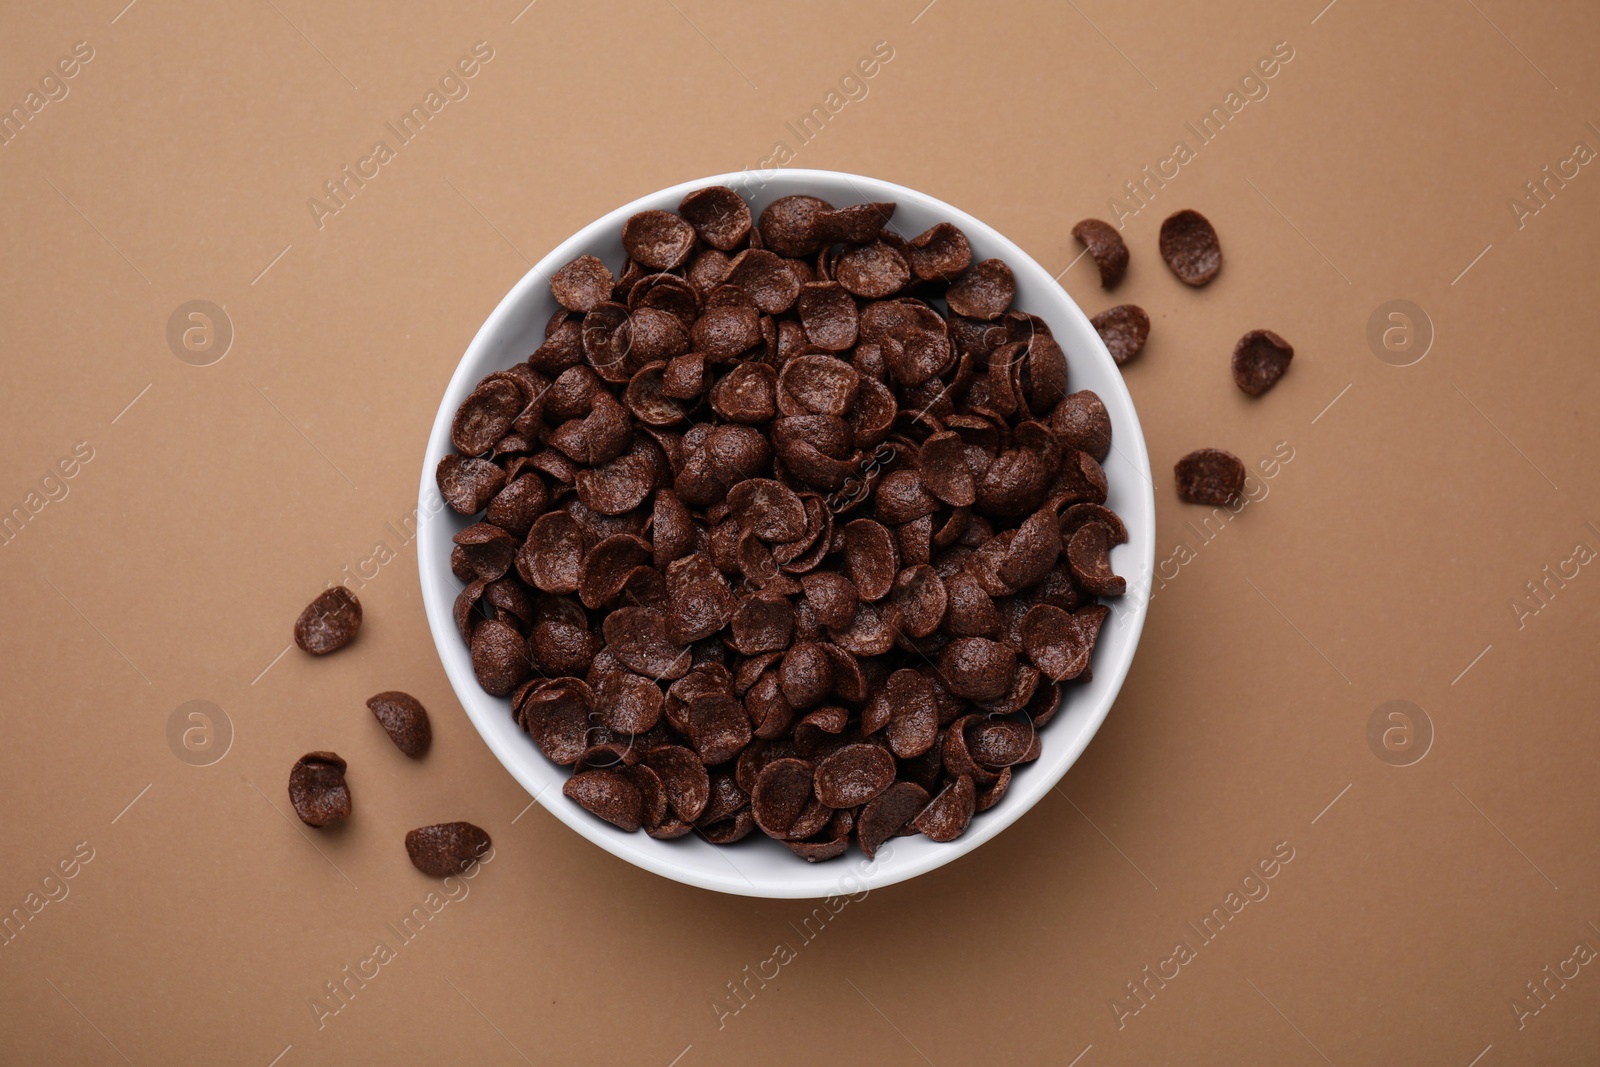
[759, 866]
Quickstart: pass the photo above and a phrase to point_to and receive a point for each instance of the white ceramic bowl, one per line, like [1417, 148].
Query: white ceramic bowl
[758, 866]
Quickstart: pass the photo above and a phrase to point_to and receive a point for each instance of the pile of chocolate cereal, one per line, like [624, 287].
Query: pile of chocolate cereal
[792, 526]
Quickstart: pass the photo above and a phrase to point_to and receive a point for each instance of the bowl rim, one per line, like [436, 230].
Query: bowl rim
[658, 856]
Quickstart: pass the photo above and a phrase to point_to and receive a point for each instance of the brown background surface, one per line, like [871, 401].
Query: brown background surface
[1381, 566]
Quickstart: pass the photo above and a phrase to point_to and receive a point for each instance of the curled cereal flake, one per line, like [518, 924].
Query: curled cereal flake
[873, 270]
[813, 818]
[997, 743]
[781, 793]
[620, 485]
[582, 285]
[561, 641]
[1190, 248]
[468, 485]
[605, 342]
[940, 253]
[558, 714]
[1259, 360]
[766, 280]
[1124, 329]
[872, 558]
[685, 376]
[1088, 553]
[658, 239]
[850, 683]
[1080, 421]
[405, 720]
[958, 758]
[977, 668]
[317, 789]
[329, 622]
[727, 798]
[805, 675]
[828, 315]
[671, 528]
[853, 775]
[516, 507]
[886, 813]
[550, 558]
[823, 385]
[646, 398]
[761, 624]
[920, 596]
[612, 795]
[1079, 515]
[466, 611]
[1060, 644]
[562, 348]
[869, 633]
[606, 567]
[1105, 245]
[901, 498]
[747, 394]
[771, 715]
[944, 472]
[1210, 476]
[737, 452]
[724, 332]
[683, 779]
[446, 849]
[605, 754]
[499, 657]
[485, 416]
[638, 637]
[488, 549]
[709, 270]
[832, 598]
[719, 215]
[950, 811]
[817, 851]
[794, 225]
[699, 610]
[1080, 479]
[629, 703]
[913, 724]
[460, 566]
[1014, 484]
[989, 796]
[857, 223]
[653, 796]
[736, 827]
[669, 293]
[768, 509]
[1033, 551]
[971, 612]
[984, 292]
[718, 727]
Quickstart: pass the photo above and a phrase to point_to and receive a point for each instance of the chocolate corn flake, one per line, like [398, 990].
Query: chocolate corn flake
[1190, 247]
[317, 789]
[329, 622]
[1124, 329]
[1210, 476]
[446, 849]
[1259, 360]
[582, 285]
[1105, 245]
[719, 215]
[404, 719]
